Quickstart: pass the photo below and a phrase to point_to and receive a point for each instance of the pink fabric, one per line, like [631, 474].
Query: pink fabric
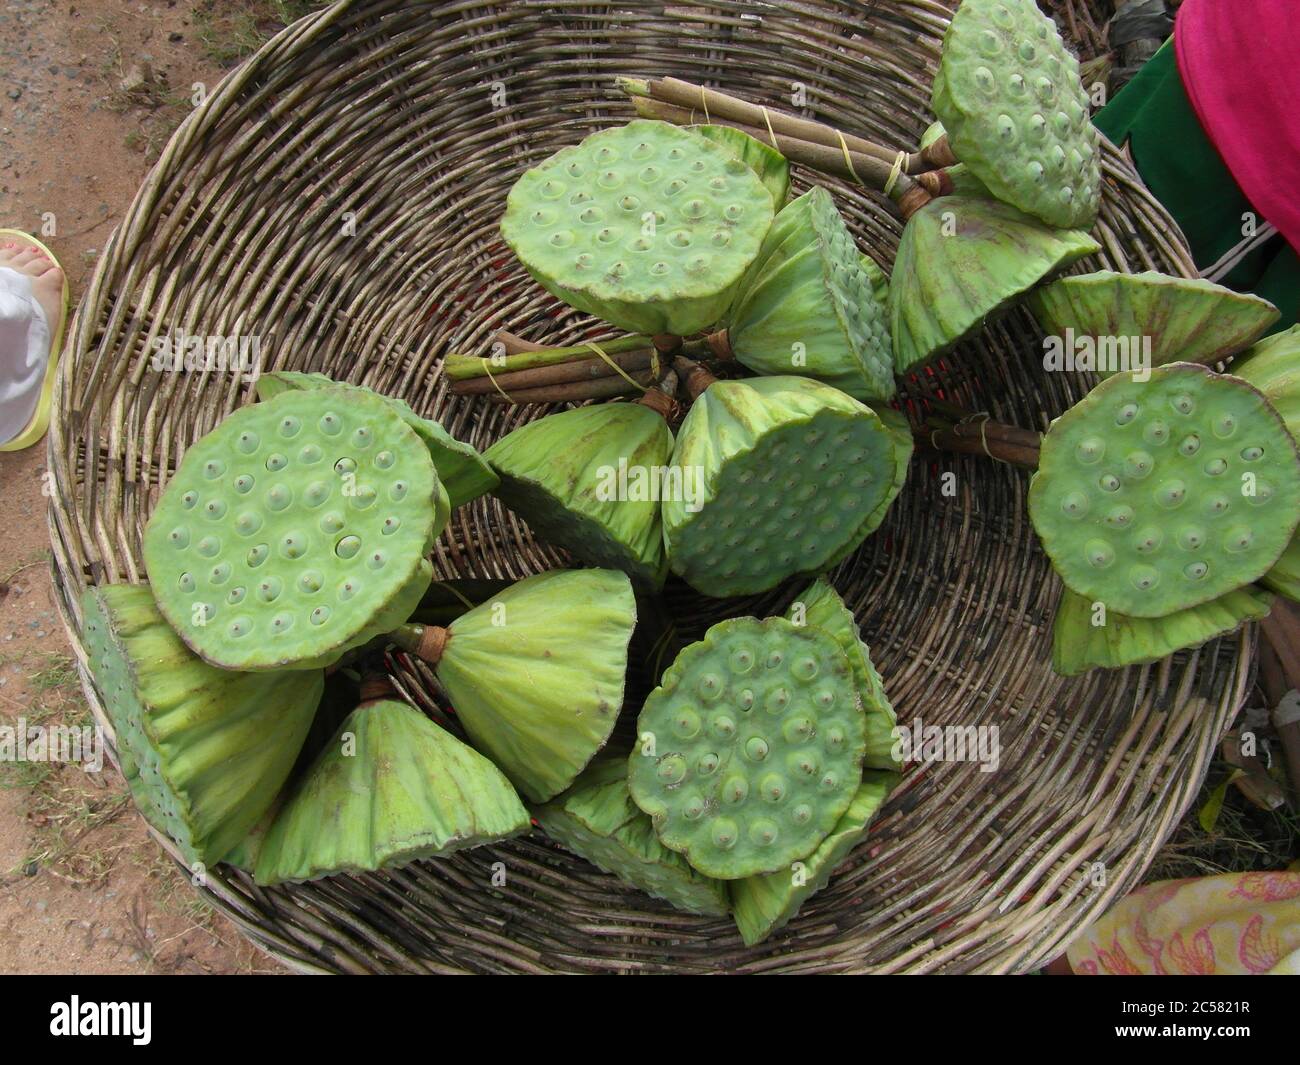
[1240, 65]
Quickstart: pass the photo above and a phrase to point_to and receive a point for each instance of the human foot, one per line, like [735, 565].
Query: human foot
[46, 277]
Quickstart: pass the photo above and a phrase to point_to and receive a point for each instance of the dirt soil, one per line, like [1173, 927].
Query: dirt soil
[89, 92]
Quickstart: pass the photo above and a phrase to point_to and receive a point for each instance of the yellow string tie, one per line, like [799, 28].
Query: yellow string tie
[488, 367]
[705, 101]
[848, 159]
[770, 132]
[896, 173]
[654, 365]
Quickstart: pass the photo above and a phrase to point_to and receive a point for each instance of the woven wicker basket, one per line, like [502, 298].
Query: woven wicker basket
[338, 195]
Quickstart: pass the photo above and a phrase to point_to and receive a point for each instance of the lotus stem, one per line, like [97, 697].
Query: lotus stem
[557, 374]
[462, 367]
[426, 642]
[977, 434]
[376, 687]
[662, 399]
[697, 378]
[516, 345]
[578, 391]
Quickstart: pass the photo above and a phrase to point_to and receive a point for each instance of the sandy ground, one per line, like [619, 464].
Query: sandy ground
[82, 887]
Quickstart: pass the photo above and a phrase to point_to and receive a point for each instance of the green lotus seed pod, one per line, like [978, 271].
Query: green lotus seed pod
[589, 481]
[597, 820]
[390, 788]
[1079, 645]
[646, 225]
[1150, 319]
[1155, 496]
[461, 469]
[1273, 366]
[763, 904]
[963, 260]
[808, 307]
[771, 167]
[1009, 94]
[820, 607]
[793, 471]
[536, 675]
[751, 748]
[904, 444]
[204, 750]
[295, 530]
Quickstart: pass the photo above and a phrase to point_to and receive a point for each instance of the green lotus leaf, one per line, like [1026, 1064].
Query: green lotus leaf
[764, 904]
[295, 530]
[647, 226]
[597, 820]
[1078, 645]
[1159, 495]
[461, 469]
[751, 748]
[1009, 94]
[1150, 319]
[821, 607]
[390, 788]
[808, 307]
[963, 260]
[772, 168]
[589, 481]
[536, 675]
[204, 751]
[793, 471]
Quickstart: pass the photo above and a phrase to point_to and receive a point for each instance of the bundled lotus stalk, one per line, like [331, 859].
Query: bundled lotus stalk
[390, 788]
[590, 481]
[536, 675]
[793, 475]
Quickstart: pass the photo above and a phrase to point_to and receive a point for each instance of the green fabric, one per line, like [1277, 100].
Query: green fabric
[1186, 173]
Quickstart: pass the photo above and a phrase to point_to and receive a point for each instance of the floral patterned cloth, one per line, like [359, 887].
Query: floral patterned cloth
[1235, 923]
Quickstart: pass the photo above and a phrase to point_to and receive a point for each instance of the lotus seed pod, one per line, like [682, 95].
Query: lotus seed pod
[461, 469]
[646, 225]
[751, 748]
[820, 607]
[589, 480]
[1150, 319]
[963, 260]
[904, 445]
[598, 821]
[1009, 94]
[390, 788]
[808, 307]
[763, 904]
[1079, 645]
[792, 471]
[1155, 496]
[295, 531]
[536, 675]
[204, 750]
[1273, 366]
[771, 167]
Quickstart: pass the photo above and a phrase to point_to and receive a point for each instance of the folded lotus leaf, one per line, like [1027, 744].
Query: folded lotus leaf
[1156, 496]
[793, 471]
[461, 469]
[751, 748]
[1009, 94]
[963, 260]
[1273, 366]
[296, 530]
[647, 226]
[589, 481]
[808, 307]
[1078, 645]
[821, 607]
[763, 904]
[536, 675]
[597, 820]
[772, 168]
[390, 788]
[1142, 320]
[204, 750]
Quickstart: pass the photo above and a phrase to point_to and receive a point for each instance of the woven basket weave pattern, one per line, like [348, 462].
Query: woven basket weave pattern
[338, 196]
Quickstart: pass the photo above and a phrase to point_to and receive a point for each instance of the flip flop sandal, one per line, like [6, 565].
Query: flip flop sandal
[41, 416]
